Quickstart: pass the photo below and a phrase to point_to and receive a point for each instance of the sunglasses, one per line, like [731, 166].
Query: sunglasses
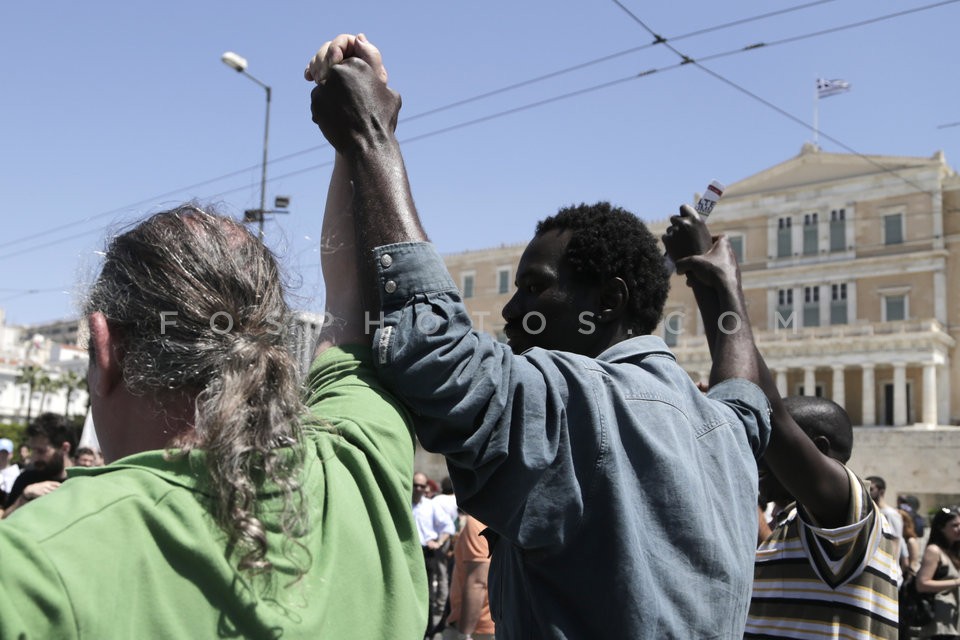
[419, 486]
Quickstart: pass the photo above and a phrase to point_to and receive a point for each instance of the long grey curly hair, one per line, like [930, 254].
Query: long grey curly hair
[199, 305]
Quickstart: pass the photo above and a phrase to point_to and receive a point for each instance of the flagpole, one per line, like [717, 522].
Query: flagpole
[816, 112]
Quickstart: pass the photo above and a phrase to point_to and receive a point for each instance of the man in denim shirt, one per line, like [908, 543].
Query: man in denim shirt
[622, 500]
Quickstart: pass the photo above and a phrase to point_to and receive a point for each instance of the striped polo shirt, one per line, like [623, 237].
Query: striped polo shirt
[811, 582]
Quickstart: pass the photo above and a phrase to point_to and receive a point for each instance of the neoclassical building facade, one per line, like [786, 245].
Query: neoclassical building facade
[847, 263]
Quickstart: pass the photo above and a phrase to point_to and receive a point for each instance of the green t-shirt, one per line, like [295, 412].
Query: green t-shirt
[130, 550]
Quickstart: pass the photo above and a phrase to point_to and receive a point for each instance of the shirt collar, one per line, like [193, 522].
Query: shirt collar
[188, 471]
[636, 348]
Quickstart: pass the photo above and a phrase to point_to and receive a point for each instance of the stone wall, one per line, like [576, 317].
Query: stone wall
[917, 460]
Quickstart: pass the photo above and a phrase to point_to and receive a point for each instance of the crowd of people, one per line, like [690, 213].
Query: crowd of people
[44, 458]
[457, 561]
[595, 490]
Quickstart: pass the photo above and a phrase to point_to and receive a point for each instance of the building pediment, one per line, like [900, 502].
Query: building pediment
[812, 166]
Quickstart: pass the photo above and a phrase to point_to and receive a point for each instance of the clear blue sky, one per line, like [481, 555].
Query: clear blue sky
[111, 110]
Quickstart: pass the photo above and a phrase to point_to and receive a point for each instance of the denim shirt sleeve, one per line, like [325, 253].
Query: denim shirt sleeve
[474, 401]
[750, 404]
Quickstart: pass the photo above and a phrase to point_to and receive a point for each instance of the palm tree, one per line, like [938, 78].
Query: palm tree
[30, 375]
[45, 385]
[71, 382]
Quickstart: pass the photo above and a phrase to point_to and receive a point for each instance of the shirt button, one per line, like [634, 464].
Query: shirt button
[386, 260]
[390, 286]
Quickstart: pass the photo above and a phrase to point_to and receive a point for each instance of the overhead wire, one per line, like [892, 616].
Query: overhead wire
[685, 59]
[658, 40]
[611, 56]
[423, 114]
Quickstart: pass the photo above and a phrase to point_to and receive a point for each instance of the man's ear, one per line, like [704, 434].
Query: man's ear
[614, 296]
[823, 444]
[106, 370]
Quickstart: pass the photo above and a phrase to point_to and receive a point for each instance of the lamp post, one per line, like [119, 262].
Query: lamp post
[239, 64]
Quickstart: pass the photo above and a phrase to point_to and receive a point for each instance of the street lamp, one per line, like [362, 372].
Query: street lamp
[239, 64]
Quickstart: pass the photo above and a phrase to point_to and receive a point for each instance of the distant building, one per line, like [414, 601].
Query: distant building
[21, 346]
[845, 262]
[60, 331]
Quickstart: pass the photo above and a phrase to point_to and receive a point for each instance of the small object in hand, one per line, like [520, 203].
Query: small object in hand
[704, 207]
[710, 198]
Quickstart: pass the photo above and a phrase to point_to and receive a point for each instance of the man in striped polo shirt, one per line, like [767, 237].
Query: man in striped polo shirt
[829, 569]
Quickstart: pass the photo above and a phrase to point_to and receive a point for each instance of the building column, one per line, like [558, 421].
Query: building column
[809, 381]
[782, 382]
[899, 394]
[940, 296]
[929, 415]
[943, 384]
[839, 389]
[869, 396]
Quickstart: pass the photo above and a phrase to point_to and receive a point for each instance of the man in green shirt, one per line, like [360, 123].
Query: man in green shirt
[222, 513]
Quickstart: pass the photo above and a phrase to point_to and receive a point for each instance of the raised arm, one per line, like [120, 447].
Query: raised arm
[718, 295]
[345, 261]
[343, 320]
[818, 482]
[358, 113]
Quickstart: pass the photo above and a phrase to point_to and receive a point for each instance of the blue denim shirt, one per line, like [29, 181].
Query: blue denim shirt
[624, 499]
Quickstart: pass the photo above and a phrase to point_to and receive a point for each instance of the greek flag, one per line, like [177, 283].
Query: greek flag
[827, 88]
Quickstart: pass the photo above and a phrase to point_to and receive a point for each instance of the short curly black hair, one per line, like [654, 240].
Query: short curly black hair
[609, 242]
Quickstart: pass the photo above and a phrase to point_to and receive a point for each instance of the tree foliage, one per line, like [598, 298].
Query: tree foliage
[30, 375]
[71, 382]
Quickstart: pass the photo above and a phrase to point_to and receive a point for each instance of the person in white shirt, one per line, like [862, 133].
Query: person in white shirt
[435, 528]
[878, 489]
[8, 471]
[448, 501]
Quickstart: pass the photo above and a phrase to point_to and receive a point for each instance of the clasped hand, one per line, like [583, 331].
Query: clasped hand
[351, 103]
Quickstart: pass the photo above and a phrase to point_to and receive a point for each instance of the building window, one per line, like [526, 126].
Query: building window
[784, 238]
[672, 328]
[838, 230]
[785, 297]
[785, 309]
[817, 390]
[736, 243]
[810, 231]
[894, 308]
[893, 228]
[503, 280]
[811, 306]
[838, 303]
[467, 285]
